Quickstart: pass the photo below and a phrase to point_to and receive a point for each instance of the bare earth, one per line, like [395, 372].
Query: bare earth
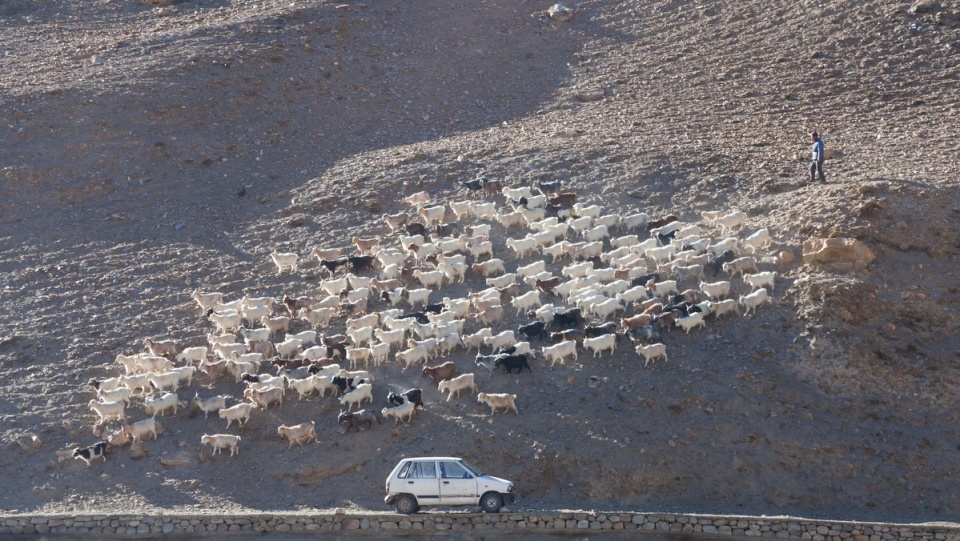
[128, 129]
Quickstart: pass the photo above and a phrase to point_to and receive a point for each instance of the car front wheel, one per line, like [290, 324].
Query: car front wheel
[407, 504]
[491, 502]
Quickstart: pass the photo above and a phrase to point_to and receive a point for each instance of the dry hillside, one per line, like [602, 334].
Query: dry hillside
[129, 128]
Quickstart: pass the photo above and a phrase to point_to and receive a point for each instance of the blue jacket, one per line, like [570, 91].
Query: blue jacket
[818, 150]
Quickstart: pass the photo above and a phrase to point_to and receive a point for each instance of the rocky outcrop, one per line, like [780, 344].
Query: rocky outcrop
[837, 253]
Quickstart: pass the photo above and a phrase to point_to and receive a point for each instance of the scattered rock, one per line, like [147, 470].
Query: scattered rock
[180, 459]
[297, 221]
[138, 451]
[29, 442]
[785, 257]
[118, 439]
[560, 12]
[596, 94]
[923, 6]
[868, 207]
[837, 253]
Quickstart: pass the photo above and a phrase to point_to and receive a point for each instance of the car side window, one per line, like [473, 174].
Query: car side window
[427, 470]
[453, 470]
[405, 471]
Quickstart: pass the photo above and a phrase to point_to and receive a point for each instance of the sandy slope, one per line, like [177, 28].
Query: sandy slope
[128, 130]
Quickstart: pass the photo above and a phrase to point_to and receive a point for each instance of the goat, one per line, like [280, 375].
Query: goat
[393, 221]
[109, 384]
[208, 405]
[266, 397]
[139, 429]
[559, 352]
[761, 279]
[489, 267]
[600, 344]
[754, 300]
[533, 330]
[357, 419]
[414, 396]
[239, 413]
[509, 362]
[276, 324]
[289, 347]
[87, 454]
[334, 265]
[607, 308]
[445, 371]
[362, 392]
[504, 339]
[695, 319]
[566, 199]
[647, 333]
[715, 290]
[160, 405]
[480, 249]
[457, 384]
[652, 351]
[498, 400]
[528, 300]
[206, 301]
[429, 279]
[660, 222]
[730, 221]
[717, 263]
[365, 245]
[503, 280]
[417, 199]
[740, 266]
[221, 441]
[404, 412]
[724, 307]
[299, 434]
[635, 221]
[284, 260]
[162, 348]
[491, 315]
[107, 410]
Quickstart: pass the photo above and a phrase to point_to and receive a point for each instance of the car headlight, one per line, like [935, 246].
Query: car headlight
[510, 487]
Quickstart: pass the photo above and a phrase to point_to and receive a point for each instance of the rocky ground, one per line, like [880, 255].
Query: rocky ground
[130, 128]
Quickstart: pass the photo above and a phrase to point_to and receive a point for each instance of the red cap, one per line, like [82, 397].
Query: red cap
[814, 134]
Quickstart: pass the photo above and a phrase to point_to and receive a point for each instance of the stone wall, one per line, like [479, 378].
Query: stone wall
[541, 521]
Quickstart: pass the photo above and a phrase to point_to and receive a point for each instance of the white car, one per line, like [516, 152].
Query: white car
[423, 481]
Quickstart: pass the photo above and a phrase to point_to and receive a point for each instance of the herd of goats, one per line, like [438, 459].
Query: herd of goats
[613, 266]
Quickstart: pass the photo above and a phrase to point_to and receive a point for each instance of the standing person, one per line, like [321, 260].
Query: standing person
[816, 165]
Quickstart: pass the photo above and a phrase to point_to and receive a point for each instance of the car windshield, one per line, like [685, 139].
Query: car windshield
[471, 469]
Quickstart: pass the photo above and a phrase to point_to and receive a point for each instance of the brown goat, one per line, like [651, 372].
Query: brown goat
[441, 372]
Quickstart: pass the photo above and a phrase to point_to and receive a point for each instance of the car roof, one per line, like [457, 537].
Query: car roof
[433, 458]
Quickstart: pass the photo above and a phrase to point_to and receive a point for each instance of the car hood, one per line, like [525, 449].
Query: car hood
[496, 483]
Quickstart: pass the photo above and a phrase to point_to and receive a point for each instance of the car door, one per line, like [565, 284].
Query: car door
[420, 479]
[457, 485]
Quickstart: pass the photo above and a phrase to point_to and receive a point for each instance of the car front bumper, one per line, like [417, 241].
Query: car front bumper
[389, 499]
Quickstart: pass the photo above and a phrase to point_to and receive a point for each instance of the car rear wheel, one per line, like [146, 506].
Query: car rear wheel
[491, 502]
[407, 504]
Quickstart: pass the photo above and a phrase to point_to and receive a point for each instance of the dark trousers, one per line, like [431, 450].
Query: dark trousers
[816, 168]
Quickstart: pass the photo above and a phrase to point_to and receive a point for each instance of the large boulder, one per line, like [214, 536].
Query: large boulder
[837, 253]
